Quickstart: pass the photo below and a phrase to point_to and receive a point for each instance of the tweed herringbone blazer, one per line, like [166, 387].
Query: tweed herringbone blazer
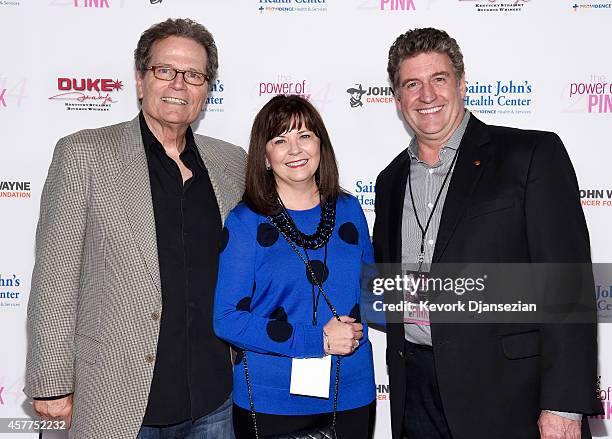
[93, 313]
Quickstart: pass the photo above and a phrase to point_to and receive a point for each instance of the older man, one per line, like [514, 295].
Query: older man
[119, 319]
[463, 192]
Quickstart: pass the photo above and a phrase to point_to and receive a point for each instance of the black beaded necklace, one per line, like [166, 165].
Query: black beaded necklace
[319, 238]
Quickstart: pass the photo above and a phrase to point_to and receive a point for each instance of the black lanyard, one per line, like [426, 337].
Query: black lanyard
[421, 257]
[315, 297]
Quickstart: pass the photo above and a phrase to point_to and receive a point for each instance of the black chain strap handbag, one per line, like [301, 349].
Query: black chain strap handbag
[328, 431]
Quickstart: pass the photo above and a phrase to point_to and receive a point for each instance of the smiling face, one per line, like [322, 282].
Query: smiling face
[430, 97]
[173, 103]
[294, 157]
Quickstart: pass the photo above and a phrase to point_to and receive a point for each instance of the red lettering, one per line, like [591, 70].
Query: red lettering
[63, 84]
[92, 84]
[106, 84]
[80, 87]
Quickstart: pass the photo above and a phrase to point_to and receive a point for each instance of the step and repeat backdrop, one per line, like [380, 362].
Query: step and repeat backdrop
[67, 65]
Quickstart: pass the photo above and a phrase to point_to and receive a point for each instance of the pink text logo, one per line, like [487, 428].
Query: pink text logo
[284, 85]
[597, 92]
[604, 395]
[397, 5]
[91, 3]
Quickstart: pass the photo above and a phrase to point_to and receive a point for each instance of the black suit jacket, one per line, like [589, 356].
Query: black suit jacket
[513, 197]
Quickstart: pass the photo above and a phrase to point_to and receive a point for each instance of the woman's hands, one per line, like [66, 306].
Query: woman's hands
[341, 337]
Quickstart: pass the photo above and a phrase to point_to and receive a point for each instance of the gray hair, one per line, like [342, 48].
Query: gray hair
[425, 40]
[179, 27]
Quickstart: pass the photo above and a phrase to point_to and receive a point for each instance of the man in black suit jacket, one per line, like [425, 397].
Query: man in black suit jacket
[486, 194]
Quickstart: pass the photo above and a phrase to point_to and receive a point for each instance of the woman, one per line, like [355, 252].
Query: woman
[268, 304]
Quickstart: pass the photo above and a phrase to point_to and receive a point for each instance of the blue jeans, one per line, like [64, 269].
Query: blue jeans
[215, 425]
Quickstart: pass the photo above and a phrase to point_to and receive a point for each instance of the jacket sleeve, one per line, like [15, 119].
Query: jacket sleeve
[557, 234]
[235, 321]
[55, 280]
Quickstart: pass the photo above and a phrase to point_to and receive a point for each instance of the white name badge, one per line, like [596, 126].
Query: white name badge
[310, 376]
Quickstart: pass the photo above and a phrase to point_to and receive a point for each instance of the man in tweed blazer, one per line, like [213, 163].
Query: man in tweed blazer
[120, 335]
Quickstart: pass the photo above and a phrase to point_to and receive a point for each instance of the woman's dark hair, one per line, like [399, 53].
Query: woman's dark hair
[280, 115]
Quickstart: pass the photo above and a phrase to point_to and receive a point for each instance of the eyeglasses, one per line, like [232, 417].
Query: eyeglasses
[166, 73]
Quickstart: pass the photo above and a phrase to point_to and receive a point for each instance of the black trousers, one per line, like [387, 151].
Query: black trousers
[350, 424]
[424, 415]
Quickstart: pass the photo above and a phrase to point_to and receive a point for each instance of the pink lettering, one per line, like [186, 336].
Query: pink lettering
[600, 103]
[592, 101]
[580, 88]
[286, 88]
[274, 88]
[92, 3]
[278, 88]
[397, 5]
[3, 103]
[1, 391]
[607, 408]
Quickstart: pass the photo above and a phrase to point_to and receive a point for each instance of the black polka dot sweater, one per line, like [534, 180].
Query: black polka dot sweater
[264, 306]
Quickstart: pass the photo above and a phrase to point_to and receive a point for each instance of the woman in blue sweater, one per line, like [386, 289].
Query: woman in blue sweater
[268, 303]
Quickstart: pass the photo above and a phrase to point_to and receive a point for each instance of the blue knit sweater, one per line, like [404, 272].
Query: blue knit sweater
[263, 304]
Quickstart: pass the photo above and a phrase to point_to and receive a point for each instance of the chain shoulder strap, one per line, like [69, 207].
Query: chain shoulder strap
[336, 316]
[310, 270]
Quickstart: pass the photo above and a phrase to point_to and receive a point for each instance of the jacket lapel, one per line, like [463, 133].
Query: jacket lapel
[472, 159]
[137, 201]
[216, 172]
[396, 208]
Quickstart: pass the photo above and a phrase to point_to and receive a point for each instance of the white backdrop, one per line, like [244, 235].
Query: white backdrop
[549, 59]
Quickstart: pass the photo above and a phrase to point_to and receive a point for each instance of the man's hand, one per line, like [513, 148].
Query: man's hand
[557, 427]
[55, 409]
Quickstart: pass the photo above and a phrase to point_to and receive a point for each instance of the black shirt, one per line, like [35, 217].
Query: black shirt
[192, 375]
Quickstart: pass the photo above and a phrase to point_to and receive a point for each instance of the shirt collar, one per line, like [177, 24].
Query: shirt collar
[150, 141]
[452, 143]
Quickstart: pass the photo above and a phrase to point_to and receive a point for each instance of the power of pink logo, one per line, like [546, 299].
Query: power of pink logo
[284, 85]
[604, 396]
[91, 3]
[597, 91]
[397, 5]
